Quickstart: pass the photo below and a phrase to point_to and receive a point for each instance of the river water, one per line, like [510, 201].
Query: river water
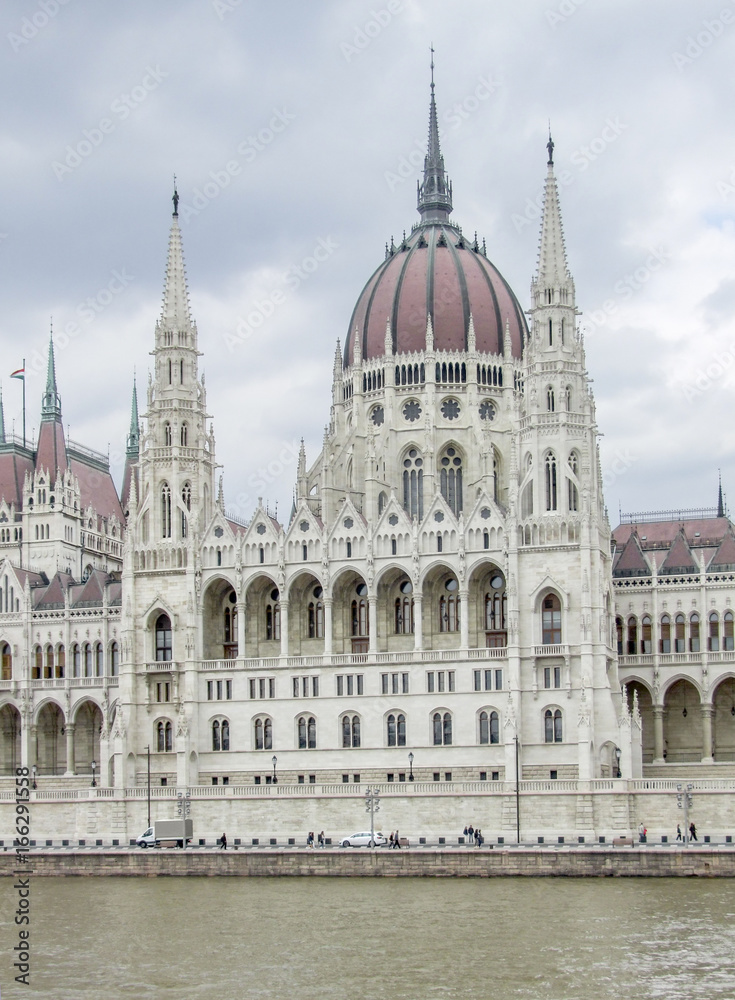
[369, 939]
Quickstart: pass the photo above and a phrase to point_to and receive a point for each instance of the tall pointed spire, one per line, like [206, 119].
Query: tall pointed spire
[720, 501]
[175, 314]
[435, 193]
[133, 445]
[553, 270]
[2, 418]
[51, 407]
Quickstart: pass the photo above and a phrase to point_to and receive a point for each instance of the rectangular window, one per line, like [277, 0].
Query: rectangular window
[404, 683]
[483, 775]
[447, 775]
[360, 684]
[495, 775]
[390, 776]
[547, 677]
[312, 779]
[401, 775]
[256, 779]
[219, 690]
[340, 685]
[440, 680]
[261, 687]
[228, 686]
[252, 687]
[271, 687]
[476, 678]
[430, 681]
[450, 680]
[557, 677]
[345, 779]
[296, 687]
[394, 683]
[209, 690]
[305, 687]
[350, 684]
[225, 780]
[315, 687]
[553, 775]
[215, 781]
[498, 680]
[356, 779]
[488, 680]
[269, 779]
[384, 684]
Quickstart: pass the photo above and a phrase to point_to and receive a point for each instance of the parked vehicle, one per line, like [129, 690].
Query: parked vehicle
[167, 832]
[364, 840]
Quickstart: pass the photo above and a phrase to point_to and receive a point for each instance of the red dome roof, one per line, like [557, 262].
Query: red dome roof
[437, 271]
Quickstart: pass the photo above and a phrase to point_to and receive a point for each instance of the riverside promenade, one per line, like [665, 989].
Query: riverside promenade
[421, 862]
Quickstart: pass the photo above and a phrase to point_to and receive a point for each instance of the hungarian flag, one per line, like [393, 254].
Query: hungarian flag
[19, 373]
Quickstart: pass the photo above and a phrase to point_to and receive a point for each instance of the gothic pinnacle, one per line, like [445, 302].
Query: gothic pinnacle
[435, 192]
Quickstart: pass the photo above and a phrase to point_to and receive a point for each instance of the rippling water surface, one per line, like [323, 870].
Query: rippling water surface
[365, 939]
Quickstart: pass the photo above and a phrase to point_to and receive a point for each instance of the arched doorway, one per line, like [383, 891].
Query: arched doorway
[220, 621]
[645, 708]
[723, 721]
[682, 723]
[87, 728]
[51, 740]
[9, 739]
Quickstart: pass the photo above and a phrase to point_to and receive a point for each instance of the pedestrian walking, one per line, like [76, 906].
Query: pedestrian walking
[678, 832]
[321, 839]
[641, 832]
[310, 839]
[692, 831]
[396, 841]
[471, 832]
[478, 838]
[223, 842]
[464, 832]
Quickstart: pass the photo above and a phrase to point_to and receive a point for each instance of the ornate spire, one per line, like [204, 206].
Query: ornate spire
[435, 193]
[720, 501]
[175, 313]
[134, 436]
[553, 270]
[51, 407]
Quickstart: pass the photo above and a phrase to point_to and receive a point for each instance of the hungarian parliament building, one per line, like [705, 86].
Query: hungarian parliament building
[447, 602]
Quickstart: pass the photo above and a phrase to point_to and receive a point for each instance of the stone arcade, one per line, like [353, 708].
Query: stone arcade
[445, 605]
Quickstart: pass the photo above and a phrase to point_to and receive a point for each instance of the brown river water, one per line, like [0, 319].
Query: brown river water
[369, 939]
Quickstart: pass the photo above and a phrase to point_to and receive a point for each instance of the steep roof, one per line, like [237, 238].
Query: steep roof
[679, 558]
[631, 561]
[724, 559]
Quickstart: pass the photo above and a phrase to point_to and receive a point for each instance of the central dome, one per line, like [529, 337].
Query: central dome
[436, 272]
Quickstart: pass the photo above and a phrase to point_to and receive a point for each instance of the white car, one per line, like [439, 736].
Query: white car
[364, 840]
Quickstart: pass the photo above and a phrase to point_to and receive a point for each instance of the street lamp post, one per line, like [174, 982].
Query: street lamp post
[94, 768]
[684, 801]
[34, 769]
[183, 809]
[372, 805]
[410, 765]
[274, 761]
[617, 762]
[148, 750]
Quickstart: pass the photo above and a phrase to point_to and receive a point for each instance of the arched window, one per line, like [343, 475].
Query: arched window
[359, 613]
[413, 484]
[184, 435]
[7, 662]
[87, 654]
[450, 471]
[665, 640]
[619, 635]
[307, 732]
[442, 726]
[552, 726]
[550, 472]
[76, 659]
[216, 739]
[169, 737]
[694, 633]
[713, 642]
[496, 607]
[403, 609]
[381, 502]
[550, 406]
[632, 636]
[48, 670]
[728, 637]
[99, 660]
[163, 638]
[273, 616]
[551, 620]
[37, 669]
[489, 728]
[572, 491]
[646, 639]
[449, 607]
[167, 438]
[316, 616]
[568, 390]
[263, 734]
[186, 504]
[680, 634]
[351, 731]
[165, 511]
[396, 730]
[114, 660]
[164, 736]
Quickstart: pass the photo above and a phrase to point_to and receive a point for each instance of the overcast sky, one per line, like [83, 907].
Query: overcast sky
[293, 125]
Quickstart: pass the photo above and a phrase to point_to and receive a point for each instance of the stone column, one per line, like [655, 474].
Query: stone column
[33, 748]
[373, 624]
[240, 628]
[328, 626]
[658, 734]
[284, 628]
[418, 622]
[70, 762]
[707, 713]
[464, 619]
